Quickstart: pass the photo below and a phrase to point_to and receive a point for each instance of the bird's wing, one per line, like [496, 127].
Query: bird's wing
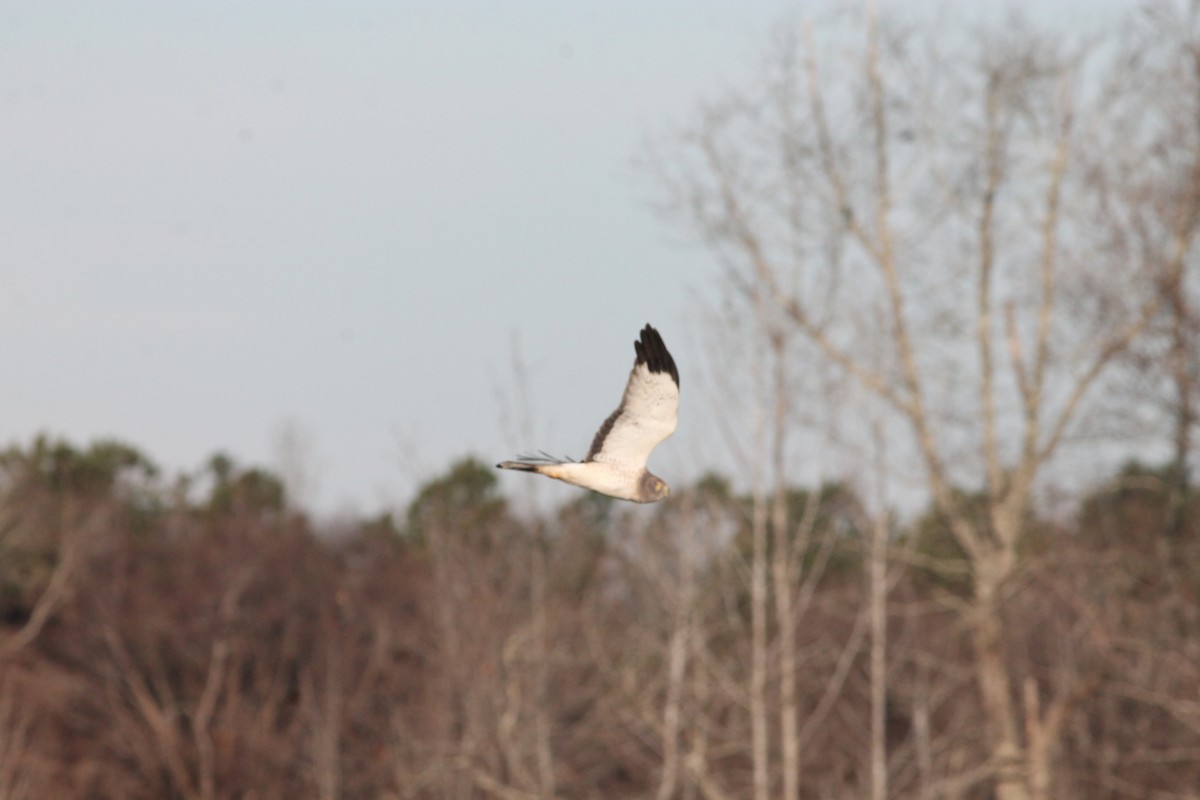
[649, 410]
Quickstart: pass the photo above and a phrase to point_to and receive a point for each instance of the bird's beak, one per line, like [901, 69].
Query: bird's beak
[668, 488]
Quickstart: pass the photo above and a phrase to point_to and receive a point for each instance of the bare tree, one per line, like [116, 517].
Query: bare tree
[1158, 194]
[923, 211]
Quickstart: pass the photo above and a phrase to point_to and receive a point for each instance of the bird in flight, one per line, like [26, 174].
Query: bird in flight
[616, 462]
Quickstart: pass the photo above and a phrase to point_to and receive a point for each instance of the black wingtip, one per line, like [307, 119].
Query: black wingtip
[652, 351]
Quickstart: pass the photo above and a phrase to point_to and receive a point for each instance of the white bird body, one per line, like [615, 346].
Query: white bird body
[604, 478]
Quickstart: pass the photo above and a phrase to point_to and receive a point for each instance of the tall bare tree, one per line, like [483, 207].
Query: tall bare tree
[1159, 182]
[928, 212]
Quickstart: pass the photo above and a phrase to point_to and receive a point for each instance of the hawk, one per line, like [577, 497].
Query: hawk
[615, 464]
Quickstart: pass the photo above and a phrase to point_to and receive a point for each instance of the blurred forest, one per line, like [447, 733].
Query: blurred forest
[953, 266]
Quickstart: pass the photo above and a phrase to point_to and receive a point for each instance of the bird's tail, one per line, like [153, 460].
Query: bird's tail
[523, 466]
[535, 463]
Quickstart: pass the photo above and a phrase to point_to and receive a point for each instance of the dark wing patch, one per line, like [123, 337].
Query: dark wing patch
[652, 352]
[598, 440]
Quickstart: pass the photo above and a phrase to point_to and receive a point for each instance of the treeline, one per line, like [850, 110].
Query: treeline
[199, 638]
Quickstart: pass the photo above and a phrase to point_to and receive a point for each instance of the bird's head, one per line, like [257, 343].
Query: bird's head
[654, 489]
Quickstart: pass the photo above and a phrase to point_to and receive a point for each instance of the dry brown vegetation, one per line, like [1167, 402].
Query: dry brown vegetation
[218, 647]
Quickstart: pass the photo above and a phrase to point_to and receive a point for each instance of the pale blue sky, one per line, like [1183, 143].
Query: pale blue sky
[220, 217]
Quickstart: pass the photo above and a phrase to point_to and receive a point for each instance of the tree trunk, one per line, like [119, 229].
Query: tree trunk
[758, 648]
[994, 681]
[878, 579]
